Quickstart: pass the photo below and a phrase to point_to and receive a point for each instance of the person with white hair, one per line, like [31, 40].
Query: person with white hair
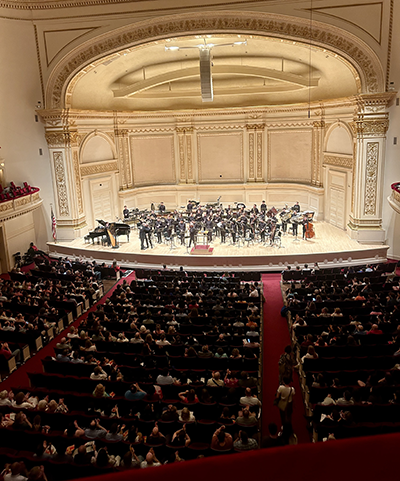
[151, 460]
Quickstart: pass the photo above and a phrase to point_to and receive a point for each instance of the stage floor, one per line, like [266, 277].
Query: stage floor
[330, 245]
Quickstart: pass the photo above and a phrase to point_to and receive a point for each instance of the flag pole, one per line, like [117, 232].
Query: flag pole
[53, 224]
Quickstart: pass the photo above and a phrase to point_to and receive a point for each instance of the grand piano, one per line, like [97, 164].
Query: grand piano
[108, 232]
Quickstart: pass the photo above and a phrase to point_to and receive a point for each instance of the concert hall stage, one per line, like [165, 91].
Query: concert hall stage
[331, 246]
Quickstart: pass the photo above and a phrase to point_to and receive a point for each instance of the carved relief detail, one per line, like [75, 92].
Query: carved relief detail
[189, 157]
[63, 138]
[5, 206]
[99, 168]
[251, 155]
[259, 154]
[346, 162]
[77, 181]
[368, 127]
[59, 173]
[371, 177]
[181, 140]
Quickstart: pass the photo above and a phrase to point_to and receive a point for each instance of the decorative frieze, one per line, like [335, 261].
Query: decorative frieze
[89, 169]
[336, 161]
[370, 127]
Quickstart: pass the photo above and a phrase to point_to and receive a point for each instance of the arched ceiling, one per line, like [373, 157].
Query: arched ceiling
[264, 71]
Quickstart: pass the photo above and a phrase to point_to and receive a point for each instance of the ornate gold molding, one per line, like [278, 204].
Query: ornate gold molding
[181, 139]
[63, 138]
[16, 207]
[189, 158]
[336, 161]
[77, 174]
[59, 173]
[259, 155]
[251, 155]
[255, 126]
[370, 127]
[183, 130]
[339, 41]
[99, 168]
[371, 178]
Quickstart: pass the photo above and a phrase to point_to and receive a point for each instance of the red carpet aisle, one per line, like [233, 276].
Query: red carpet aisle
[19, 378]
[275, 339]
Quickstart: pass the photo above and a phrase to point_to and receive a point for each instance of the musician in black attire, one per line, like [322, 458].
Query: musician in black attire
[189, 206]
[192, 234]
[305, 226]
[262, 228]
[233, 227]
[222, 230]
[180, 230]
[125, 212]
[209, 228]
[145, 236]
[158, 231]
[294, 228]
[161, 208]
[296, 207]
[255, 210]
[263, 207]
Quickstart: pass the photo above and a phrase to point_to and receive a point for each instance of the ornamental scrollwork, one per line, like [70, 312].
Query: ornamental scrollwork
[346, 162]
[59, 173]
[371, 177]
[99, 168]
[366, 127]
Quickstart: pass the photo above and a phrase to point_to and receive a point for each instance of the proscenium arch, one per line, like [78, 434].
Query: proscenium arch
[336, 40]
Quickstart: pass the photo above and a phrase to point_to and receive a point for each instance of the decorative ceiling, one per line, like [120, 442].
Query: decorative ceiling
[264, 71]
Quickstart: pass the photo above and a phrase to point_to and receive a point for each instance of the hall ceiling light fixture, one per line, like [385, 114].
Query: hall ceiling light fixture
[207, 94]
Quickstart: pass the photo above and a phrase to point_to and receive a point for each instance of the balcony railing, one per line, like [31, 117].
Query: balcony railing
[394, 198]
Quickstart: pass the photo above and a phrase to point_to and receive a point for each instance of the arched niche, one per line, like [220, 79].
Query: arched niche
[368, 70]
[339, 139]
[97, 147]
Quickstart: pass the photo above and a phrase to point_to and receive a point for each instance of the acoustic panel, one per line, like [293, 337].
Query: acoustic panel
[290, 155]
[220, 157]
[153, 159]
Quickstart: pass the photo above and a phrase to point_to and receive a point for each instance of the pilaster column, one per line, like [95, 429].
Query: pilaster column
[370, 136]
[256, 152]
[63, 146]
[185, 153]
[126, 175]
[317, 152]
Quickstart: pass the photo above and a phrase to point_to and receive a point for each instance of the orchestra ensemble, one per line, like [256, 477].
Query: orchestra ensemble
[203, 223]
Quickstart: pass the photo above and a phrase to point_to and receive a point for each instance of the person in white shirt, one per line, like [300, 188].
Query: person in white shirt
[254, 292]
[249, 399]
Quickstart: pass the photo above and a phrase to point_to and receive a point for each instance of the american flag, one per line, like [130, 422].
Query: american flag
[53, 225]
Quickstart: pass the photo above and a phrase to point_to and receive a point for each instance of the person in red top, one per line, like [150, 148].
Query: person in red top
[7, 354]
[375, 329]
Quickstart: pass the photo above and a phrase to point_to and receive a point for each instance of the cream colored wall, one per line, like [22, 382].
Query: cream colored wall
[19, 232]
[20, 136]
[391, 219]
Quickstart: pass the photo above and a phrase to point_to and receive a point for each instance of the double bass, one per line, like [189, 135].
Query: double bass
[309, 231]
